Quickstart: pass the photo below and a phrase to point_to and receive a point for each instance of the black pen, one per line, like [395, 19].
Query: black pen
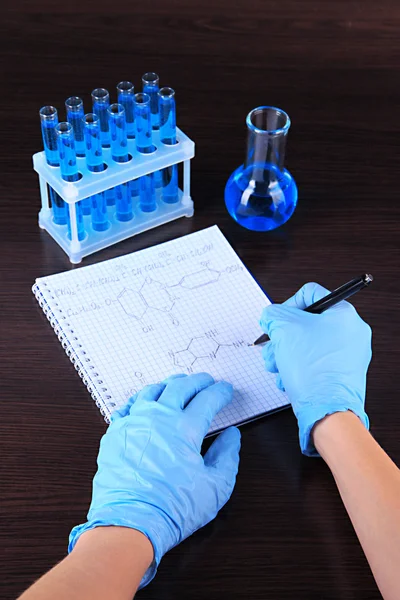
[341, 293]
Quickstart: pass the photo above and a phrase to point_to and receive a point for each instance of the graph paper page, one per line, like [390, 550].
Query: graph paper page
[184, 306]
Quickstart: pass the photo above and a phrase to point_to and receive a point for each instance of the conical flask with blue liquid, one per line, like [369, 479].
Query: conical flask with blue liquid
[261, 194]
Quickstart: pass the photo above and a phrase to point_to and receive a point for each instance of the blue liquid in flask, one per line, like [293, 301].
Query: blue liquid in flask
[261, 194]
[261, 205]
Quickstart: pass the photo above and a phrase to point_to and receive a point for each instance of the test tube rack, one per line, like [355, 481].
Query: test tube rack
[91, 183]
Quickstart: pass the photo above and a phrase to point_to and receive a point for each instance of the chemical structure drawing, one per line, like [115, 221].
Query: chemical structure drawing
[200, 278]
[152, 295]
[205, 346]
[158, 296]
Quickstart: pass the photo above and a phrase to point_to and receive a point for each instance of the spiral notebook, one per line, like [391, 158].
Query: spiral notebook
[185, 306]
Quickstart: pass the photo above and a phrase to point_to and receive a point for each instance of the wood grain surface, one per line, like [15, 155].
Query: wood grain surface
[334, 67]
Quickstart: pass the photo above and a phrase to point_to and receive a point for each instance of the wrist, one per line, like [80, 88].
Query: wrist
[143, 518]
[313, 410]
[332, 429]
[114, 558]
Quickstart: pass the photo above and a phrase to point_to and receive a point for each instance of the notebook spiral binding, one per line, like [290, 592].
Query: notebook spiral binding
[93, 385]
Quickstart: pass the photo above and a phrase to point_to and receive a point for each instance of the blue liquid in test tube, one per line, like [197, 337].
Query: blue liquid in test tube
[166, 96]
[151, 86]
[119, 153]
[144, 142]
[126, 92]
[119, 142]
[75, 115]
[49, 122]
[69, 169]
[94, 162]
[147, 201]
[135, 187]
[101, 102]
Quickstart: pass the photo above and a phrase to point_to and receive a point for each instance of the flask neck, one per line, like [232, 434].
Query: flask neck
[267, 129]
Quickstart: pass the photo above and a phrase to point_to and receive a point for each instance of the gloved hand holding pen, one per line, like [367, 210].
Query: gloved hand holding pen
[321, 360]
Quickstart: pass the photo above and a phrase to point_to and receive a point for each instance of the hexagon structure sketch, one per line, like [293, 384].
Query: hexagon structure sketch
[200, 278]
[156, 296]
[184, 359]
[132, 303]
[204, 346]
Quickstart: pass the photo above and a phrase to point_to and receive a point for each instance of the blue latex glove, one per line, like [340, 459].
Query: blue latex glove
[321, 360]
[151, 475]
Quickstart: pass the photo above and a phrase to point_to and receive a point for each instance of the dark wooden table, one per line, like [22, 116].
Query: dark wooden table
[334, 66]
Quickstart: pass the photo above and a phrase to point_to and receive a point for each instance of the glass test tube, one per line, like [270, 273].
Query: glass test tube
[126, 92]
[101, 102]
[144, 144]
[166, 97]
[49, 122]
[150, 86]
[147, 200]
[69, 169]
[119, 152]
[94, 162]
[75, 115]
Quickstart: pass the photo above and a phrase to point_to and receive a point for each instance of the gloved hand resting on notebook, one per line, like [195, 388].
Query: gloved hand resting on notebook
[321, 360]
[151, 476]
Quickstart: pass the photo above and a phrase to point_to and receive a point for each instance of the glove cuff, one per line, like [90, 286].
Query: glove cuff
[318, 412]
[149, 522]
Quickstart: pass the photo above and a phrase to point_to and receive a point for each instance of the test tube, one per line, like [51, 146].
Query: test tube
[135, 187]
[119, 152]
[69, 169]
[150, 86]
[75, 115]
[166, 97]
[126, 92]
[101, 102]
[147, 200]
[49, 122]
[119, 142]
[144, 143]
[94, 162]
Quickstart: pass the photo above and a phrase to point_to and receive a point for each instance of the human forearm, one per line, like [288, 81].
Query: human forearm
[369, 484]
[107, 563]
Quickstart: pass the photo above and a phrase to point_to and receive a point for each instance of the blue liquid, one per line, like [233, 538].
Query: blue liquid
[261, 205]
[119, 143]
[144, 142]
[99, 212]
[76, 120]
[66, 150]
[135, 187]
[167, 120]
[94, 152]
[152, 91]
[79, 222]
[170, 184]
[100, 109]
[110, 197]
[147, 200]
[60, 208]
[49, 136]
[126, 99]
[86, 206]
[123, 202]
